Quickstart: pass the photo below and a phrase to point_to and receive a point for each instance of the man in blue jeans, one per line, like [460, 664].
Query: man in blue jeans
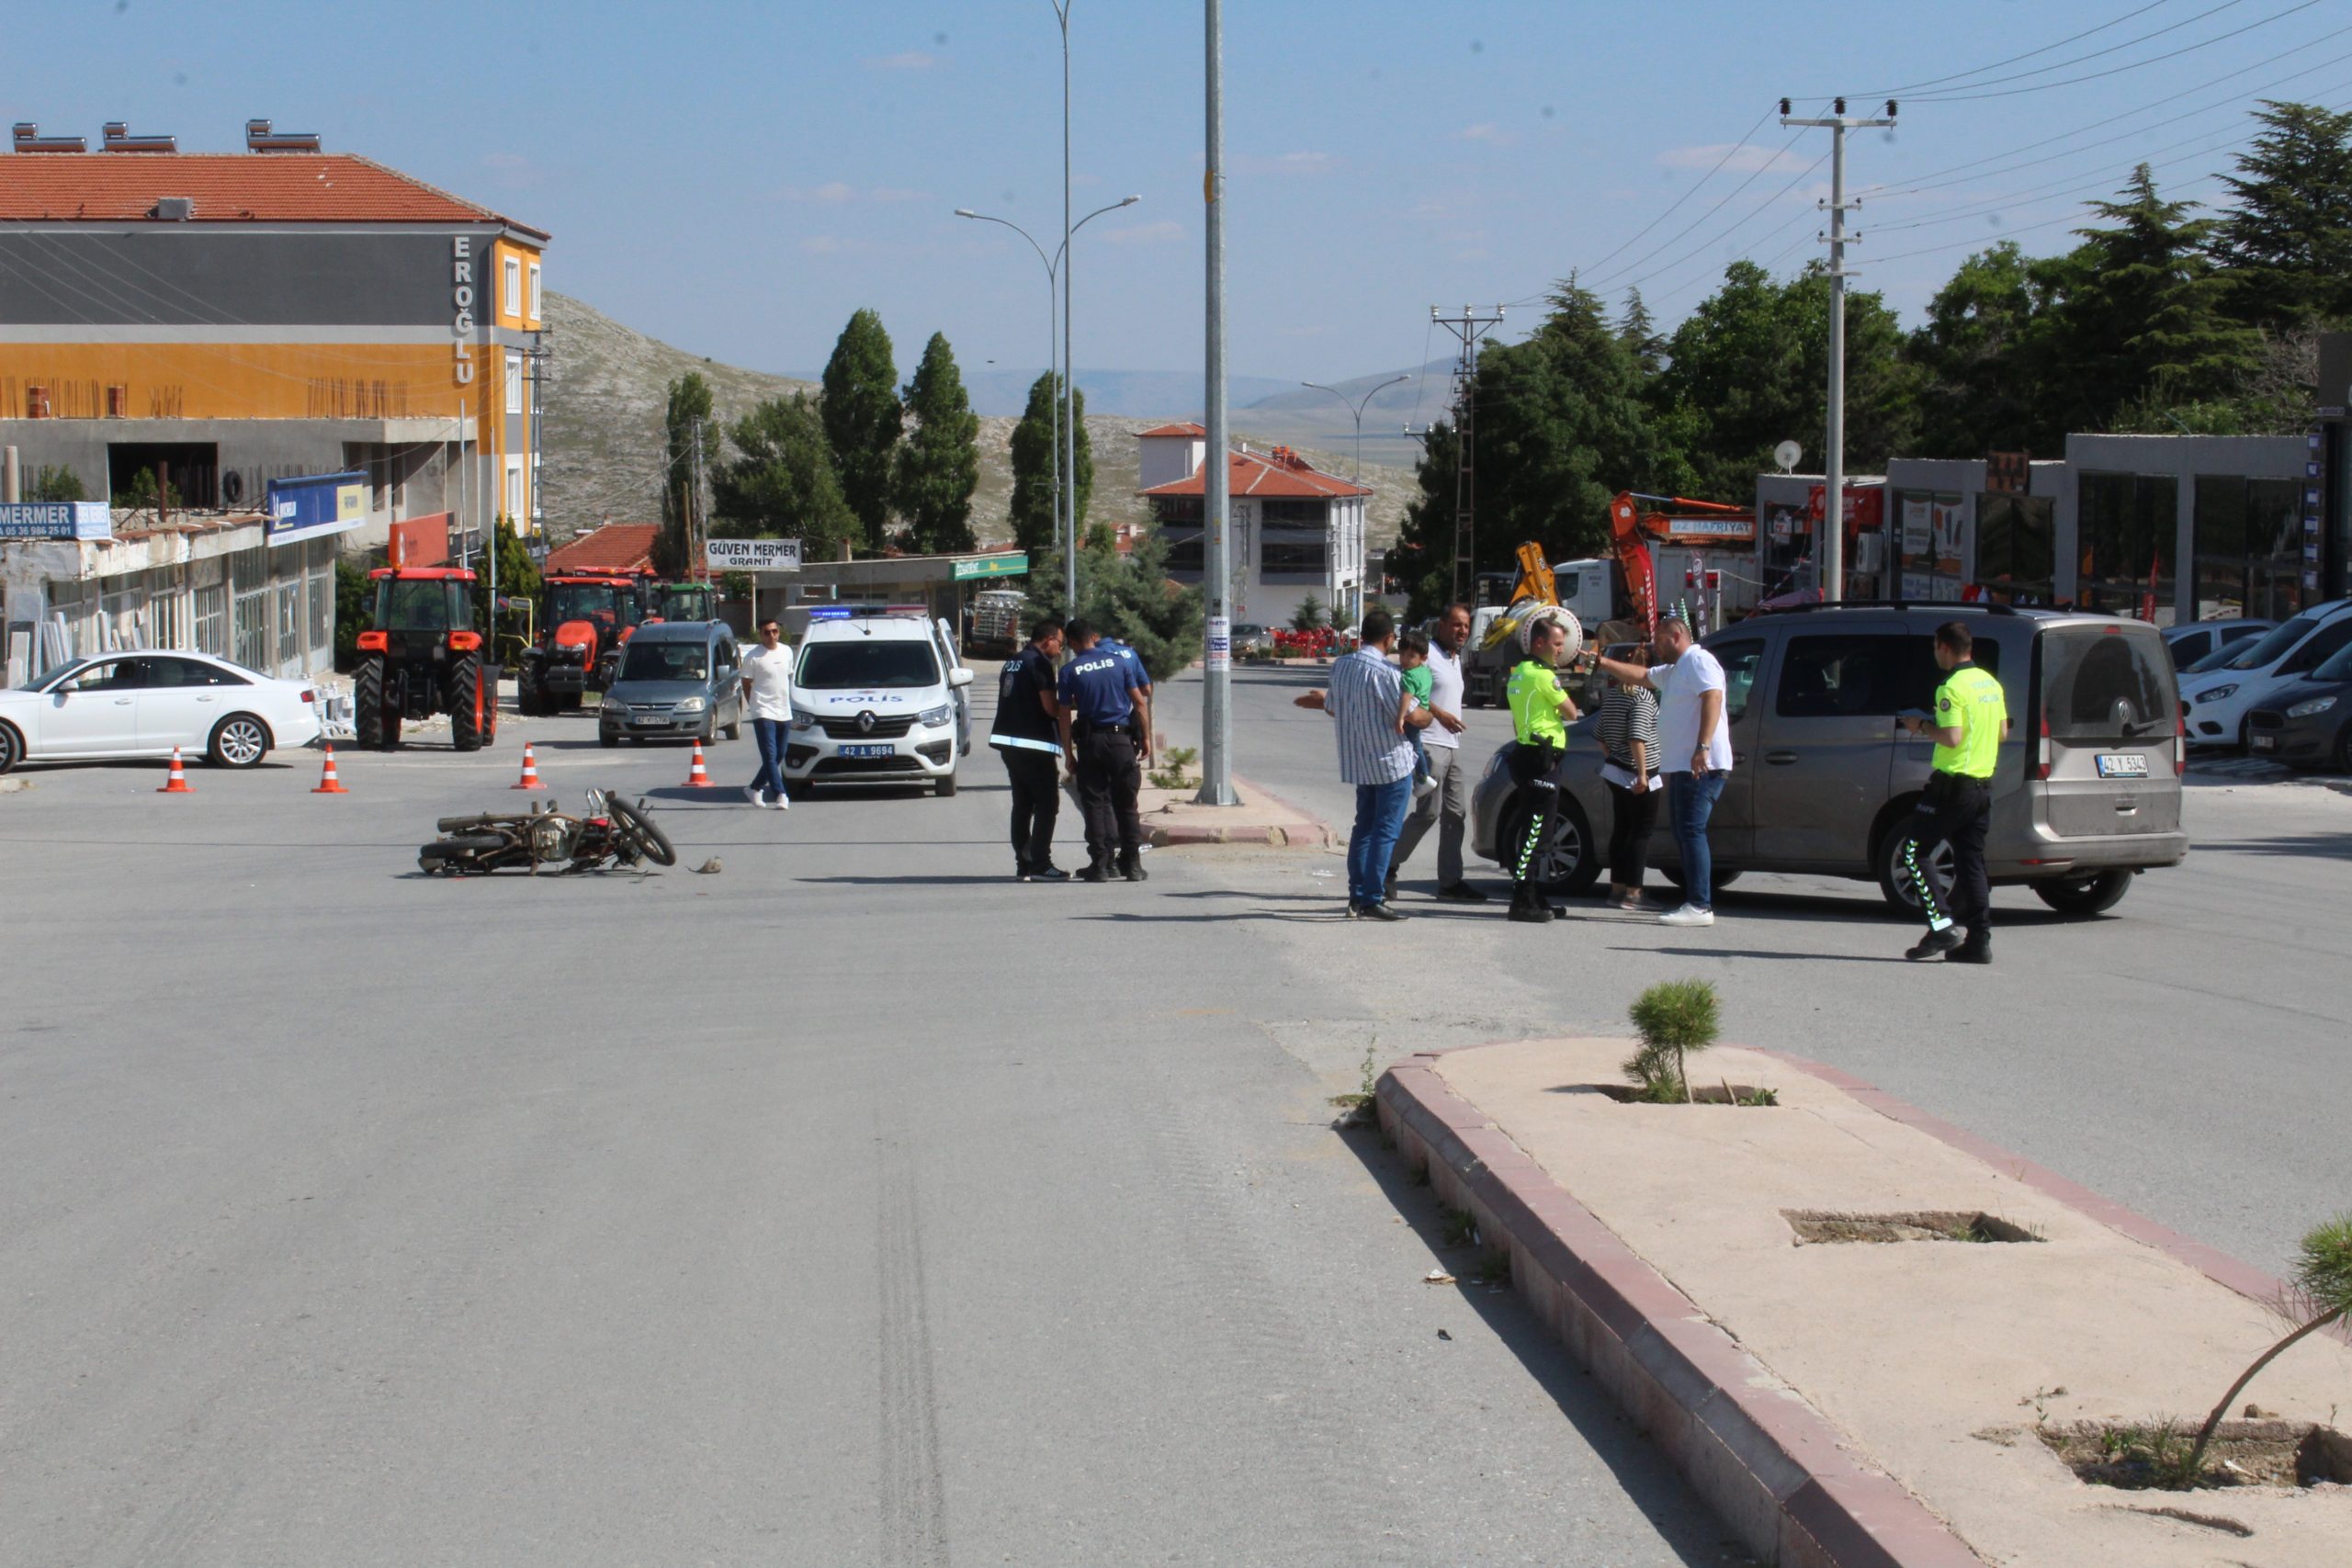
[1371, 714]
[1694, 753]
[767, 694]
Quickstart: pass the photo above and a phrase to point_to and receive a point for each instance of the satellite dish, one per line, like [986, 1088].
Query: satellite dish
[1786, 454]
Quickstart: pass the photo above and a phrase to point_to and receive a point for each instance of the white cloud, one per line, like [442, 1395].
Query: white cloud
[1167, 228]
[1487, 132]
[1743, 158]
[912, 60]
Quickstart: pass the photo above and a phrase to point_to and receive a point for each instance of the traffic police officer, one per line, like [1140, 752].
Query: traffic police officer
[1105, 723]
[1540, 712]
[1969, 722]
[1026, 736]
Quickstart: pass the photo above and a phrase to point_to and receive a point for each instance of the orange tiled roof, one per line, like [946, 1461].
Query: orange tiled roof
[1193, 430]
[268, 187]
[622, 547]
[1282, 474]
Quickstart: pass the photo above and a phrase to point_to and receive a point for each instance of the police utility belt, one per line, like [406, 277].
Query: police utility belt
[1080, 729]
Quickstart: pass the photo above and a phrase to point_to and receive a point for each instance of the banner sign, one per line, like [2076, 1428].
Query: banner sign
[1693, 530]
[752, 555]
[1219, 648]
[1004, 563]
[315, 505]
[56, 519]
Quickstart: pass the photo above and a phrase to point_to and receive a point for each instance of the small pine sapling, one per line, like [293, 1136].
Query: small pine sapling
[1672, 1020]
[2321, 1292]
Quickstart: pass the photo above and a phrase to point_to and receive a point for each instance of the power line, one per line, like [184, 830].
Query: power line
[2098, 53]
[1679, 234]
[2029, 54]
[1735, 147]
[2120, 70]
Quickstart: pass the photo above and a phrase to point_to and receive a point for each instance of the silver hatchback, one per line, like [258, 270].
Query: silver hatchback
[2085, 793]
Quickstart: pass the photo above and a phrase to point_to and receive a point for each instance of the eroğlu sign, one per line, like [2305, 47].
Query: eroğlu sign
[56, 519]
[752, 555]
[461, 297]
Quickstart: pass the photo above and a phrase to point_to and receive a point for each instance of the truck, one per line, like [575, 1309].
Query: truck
[995, 620]
[1581, 587]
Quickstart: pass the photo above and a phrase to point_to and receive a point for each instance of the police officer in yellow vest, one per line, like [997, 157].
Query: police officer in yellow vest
[1969, 722]
[1540, 715]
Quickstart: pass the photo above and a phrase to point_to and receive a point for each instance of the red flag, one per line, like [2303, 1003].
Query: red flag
[2148, 600]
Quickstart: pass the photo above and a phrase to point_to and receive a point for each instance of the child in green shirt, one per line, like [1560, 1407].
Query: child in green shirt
[1420, 682]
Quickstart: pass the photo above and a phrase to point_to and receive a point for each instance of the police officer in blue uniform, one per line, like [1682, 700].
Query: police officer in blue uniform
[1026, 735]
[1105, 719]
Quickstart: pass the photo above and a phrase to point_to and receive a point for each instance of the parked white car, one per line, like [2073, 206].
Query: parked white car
[2214, 706]
[143, 704]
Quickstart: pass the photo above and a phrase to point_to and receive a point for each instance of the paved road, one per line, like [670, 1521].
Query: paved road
[853, 1206]
[2187, 1055]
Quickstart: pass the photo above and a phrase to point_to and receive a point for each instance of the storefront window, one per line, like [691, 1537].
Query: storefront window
[2017, 553]
[252, 630]
[2127, 525]
[1927, 530]
[2246, 534]
[212, 621]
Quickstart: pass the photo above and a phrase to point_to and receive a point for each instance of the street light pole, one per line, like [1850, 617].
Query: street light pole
[1053, 369]
[1356, 408]
[1217, 474]
[1069, 388]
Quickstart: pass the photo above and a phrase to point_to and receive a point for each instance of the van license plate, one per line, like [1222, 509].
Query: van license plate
[869, 750]
[2115, 765]
[2262, 742]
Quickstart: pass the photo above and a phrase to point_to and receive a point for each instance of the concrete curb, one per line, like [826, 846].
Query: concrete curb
[1769, 1465]
[1308, 832]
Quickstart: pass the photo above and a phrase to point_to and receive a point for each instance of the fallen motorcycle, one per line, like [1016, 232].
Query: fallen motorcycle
[611, 833]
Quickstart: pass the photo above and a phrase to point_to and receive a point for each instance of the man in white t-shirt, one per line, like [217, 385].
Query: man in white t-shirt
[767, 688]
[1694, 753]
[1445, 804]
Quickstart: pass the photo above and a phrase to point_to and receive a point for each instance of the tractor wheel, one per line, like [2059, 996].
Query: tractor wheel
[464, 702]
[527, 699]
[490, 673]
[368, 717]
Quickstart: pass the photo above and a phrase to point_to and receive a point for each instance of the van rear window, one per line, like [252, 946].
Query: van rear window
[2102, 684]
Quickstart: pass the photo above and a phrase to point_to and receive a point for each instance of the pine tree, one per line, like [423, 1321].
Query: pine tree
[2287, 245]
[1035, 527]
[1981, 355]
[862, 418]
[1637, 331]
[939, 464]
[690, 398]
[783, 485]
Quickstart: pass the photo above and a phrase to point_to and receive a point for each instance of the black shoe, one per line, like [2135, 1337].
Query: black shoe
[1388, 890]
[1048, 871]
[1462, 893]
[1131, 867]
[1094, 871]
[1355, 910]
[1971, 952]
[1532, 912]
[1935, 943]
[1382, 912]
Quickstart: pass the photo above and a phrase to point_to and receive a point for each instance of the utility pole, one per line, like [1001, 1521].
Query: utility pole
[1216, 470]
[1070, 359]
[1469, 326]
[1833, 502]
[696, 525]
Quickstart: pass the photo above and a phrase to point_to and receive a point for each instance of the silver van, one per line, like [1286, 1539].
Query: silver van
[2085, 793]
[678, 679]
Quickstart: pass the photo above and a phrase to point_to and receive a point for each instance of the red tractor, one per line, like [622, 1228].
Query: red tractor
[422, 657]
[581, 622]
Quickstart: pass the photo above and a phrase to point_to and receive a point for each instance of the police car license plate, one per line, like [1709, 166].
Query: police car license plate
[2115, 765]
[869, 750]
[2262, 742]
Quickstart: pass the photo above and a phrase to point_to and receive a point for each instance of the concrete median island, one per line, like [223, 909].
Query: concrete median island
[1260, 820]
[1869, 1339]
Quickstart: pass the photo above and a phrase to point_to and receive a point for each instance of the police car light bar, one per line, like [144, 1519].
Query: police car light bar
[851, 612]
[830, 613]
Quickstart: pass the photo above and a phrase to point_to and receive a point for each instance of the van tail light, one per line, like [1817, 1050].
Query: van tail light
[2180, 745]
[2041, 753]
[309, 696]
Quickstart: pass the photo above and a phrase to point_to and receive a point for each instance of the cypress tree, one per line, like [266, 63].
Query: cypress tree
[783, 485]
[939, 464]
[862, 418]
[1034, 524]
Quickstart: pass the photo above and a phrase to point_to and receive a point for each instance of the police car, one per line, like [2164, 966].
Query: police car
[877, 699]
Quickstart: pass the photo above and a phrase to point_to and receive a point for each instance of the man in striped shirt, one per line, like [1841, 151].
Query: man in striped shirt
[1369, 713]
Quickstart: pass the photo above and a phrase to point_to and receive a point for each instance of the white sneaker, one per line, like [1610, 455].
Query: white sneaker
[752, 794]
[781, 802]
[1687, 916]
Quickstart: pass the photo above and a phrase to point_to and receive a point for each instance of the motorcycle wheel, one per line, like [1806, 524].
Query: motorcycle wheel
[458, 855]
[650, 839]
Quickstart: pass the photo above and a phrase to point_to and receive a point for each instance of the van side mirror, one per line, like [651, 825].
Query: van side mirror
[959, 676]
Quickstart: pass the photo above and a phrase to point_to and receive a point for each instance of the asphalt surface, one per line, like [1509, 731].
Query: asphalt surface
[2186, 1053]
[854, 1204]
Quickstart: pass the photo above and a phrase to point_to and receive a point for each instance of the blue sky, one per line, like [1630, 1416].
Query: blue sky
[737, 178]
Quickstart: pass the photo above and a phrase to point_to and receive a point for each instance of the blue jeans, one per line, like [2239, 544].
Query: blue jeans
[770, 734]
[1380, 817]
[1689, 801]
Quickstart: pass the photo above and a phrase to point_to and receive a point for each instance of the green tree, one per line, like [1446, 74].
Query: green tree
[939, 464]
[1309, 616]
[2286, 244]
[55, 484]
[1672, 1020]
[1637, 331]
[1033, 526]
[862, 418]
[2140, 323]
[1127, 596]
[1983, 356]
[1421, 560]
[355, 604]
[783, 484]
[518, 580]
[689, 401]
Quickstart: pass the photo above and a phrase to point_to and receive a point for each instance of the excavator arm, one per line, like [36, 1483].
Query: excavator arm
[1633, 519]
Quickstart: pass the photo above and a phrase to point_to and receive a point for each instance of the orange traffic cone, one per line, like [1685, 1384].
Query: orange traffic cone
[178, 783]
[698, 777]
[329, 783]
[530, 779]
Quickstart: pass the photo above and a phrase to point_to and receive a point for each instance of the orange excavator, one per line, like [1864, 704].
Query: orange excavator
[1635, 518]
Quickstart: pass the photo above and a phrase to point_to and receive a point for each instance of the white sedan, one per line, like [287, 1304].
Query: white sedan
[143, 704]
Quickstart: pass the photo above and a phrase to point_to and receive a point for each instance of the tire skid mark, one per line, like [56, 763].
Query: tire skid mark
[912, 1494]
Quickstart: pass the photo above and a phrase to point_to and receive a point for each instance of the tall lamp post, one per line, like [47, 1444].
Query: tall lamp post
[1355, 408]
[1064, 491]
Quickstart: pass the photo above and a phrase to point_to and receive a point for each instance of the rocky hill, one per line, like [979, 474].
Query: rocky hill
[603, 457]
